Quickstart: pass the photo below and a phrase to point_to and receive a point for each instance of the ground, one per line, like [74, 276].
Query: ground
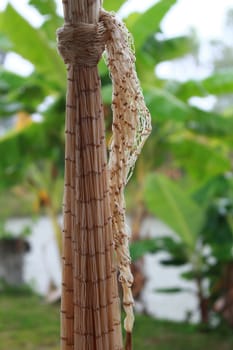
[28, 323]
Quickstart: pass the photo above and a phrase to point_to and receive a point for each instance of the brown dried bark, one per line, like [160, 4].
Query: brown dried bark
[90, 312]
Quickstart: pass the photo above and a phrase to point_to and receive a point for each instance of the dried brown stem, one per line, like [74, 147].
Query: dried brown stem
[90, 313]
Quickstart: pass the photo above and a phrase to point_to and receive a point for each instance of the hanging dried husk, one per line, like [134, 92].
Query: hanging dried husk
[94, 207]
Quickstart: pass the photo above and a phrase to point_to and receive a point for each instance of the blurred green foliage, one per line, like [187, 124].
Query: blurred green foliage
[185, 169]
[31, 324]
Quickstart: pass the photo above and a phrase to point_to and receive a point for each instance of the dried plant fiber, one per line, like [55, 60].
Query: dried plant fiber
[95, 237]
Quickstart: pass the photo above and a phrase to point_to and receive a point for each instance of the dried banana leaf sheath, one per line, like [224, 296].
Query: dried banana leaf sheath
[90, 311]
[94, 204]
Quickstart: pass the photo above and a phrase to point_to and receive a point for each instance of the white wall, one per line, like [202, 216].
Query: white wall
[42, 265]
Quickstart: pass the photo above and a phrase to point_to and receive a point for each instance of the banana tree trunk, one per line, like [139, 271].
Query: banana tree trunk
[90, 311]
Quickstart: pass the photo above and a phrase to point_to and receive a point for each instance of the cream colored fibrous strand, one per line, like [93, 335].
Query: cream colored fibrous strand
[131, 127]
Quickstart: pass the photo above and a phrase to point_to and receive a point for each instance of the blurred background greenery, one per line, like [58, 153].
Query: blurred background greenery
[183, 176]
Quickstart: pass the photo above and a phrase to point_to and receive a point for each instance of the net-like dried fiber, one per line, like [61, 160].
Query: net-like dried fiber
[94, 208]
[131, 127]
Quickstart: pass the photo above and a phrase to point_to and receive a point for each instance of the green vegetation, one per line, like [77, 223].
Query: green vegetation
[184, 175]
[203, 224]
[26, 322]
[31, 324]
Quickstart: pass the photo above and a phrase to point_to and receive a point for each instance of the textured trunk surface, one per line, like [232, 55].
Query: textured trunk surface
[90, 312]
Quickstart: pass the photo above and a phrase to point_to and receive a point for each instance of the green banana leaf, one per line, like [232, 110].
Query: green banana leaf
[32, 45]
[218, 83]
[200, 160]
[45, 7]
[110, 5]
[148, 23]
[169, 49]
[167, 201]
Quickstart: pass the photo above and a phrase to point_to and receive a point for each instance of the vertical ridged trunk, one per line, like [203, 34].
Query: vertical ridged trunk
[90, 312]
